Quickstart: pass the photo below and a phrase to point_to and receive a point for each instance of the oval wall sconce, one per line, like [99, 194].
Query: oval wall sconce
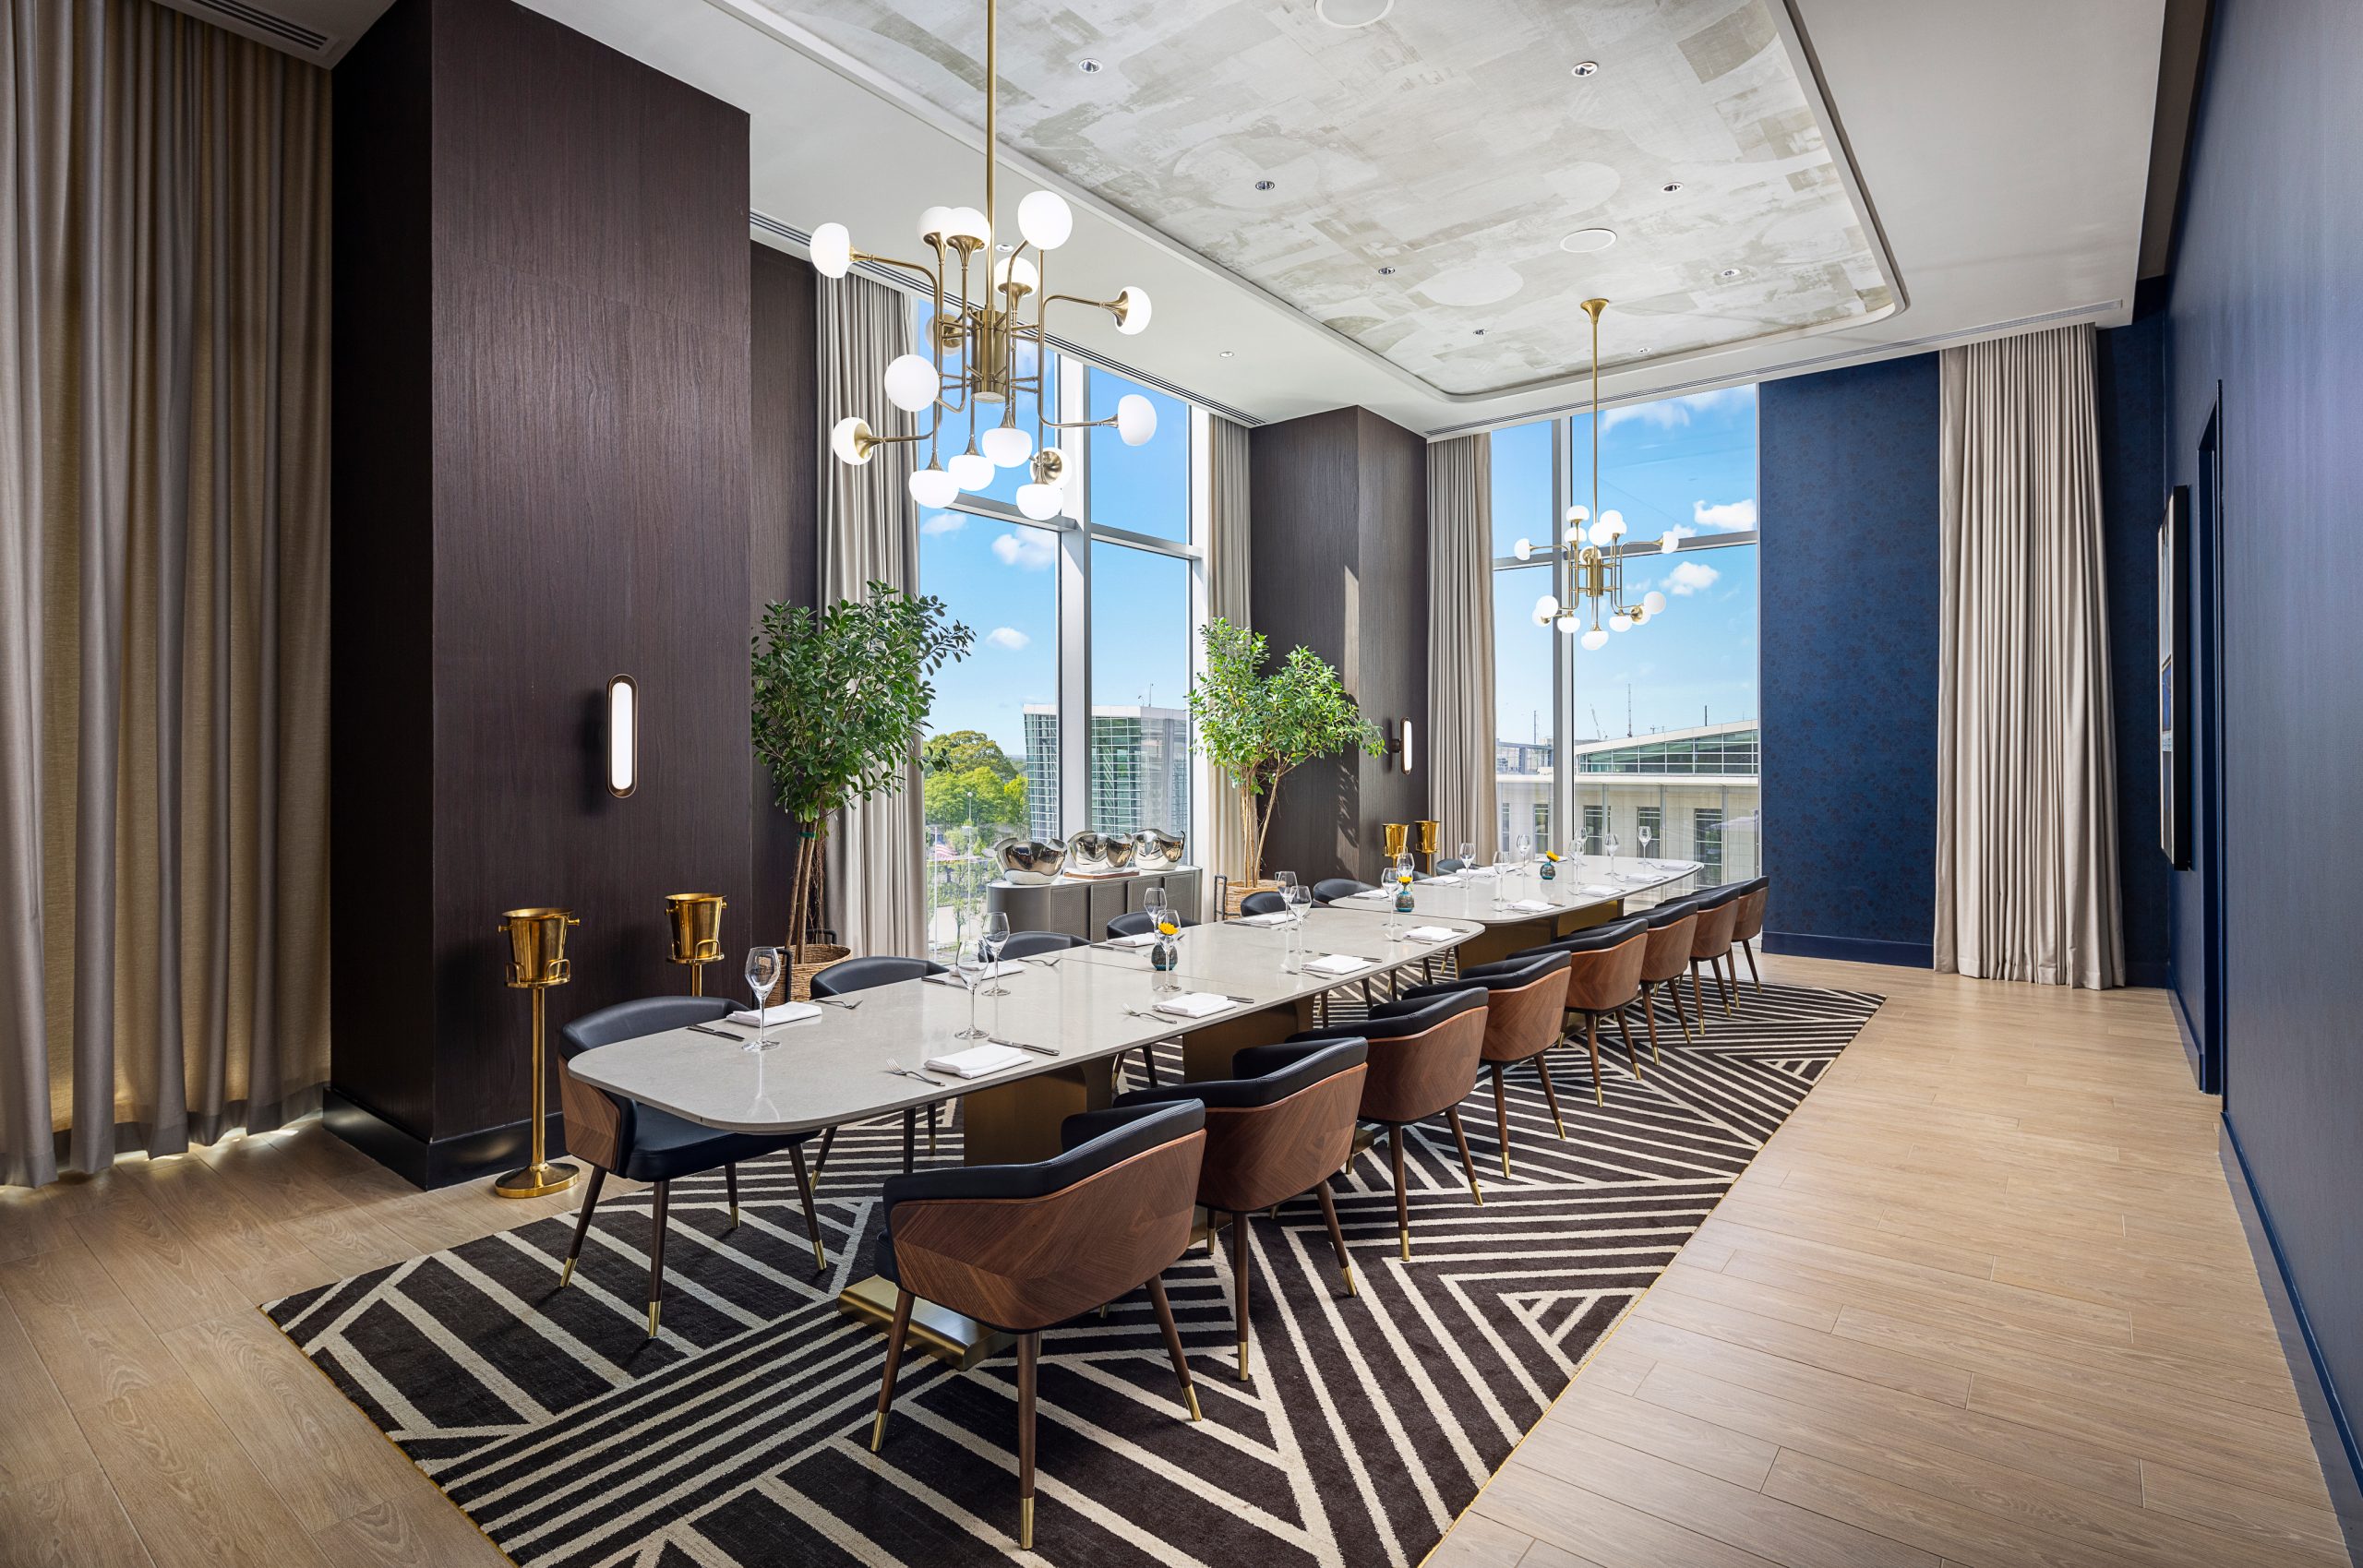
[623, 736]
[1407, 745]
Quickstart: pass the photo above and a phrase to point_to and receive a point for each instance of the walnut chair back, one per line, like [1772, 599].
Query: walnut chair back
[863, 974]
[1748, 924]
[1526, 1001]
[1718, 915]
[1605, 973]
[1023, 1247]
[1424, 1053]
[1673, 927]
[600, 1127]
[1281, 1125]
[1034, 944]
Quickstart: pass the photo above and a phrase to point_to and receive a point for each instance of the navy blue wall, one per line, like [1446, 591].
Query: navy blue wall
[1847, 483]
[2264, 302]
[2131, 387]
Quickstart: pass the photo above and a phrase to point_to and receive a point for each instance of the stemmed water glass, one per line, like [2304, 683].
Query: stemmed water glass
[1646, 836]
[1467, 856]
[1610, 845]
[766, 969]
[1504, 862]
[969, 961]
[996, 938]
[1299, 899]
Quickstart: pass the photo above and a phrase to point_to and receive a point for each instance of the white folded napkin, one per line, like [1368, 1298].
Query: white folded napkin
[1429, 934]
[1006, 966]
[1142, 939]
[1196, 1004]
[1479, 873]
[976, 1061]
[785, 1012]
[1534, 906]
[1277, 918]
[1371, 893]
[1445, 880]
[1338, 963]
[1599, 889]
[1635, 875]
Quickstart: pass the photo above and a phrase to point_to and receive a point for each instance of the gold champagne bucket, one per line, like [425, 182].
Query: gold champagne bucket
[536, 962]
[1398, 834]
[1431, 842]
[696, 924]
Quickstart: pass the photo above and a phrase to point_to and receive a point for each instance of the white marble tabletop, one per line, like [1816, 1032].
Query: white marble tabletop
[1582, 881]
[1086, 1004]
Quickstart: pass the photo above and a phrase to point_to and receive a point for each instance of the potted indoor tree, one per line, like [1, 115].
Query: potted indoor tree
[1256, 727]
[838, 696]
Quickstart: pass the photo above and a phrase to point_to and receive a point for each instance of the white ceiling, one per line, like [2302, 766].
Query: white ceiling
[2002, 149]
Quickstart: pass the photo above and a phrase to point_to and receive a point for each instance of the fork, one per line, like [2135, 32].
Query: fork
[838, 1001]
[898, 1068]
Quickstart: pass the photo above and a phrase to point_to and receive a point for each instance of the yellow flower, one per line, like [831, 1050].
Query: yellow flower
[1167, 928]
[1550, 856]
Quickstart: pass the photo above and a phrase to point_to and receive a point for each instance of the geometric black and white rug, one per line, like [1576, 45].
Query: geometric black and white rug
[739, 1436]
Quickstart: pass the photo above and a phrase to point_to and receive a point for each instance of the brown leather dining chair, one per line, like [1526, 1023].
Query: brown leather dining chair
[1281, 1125]
[1748, 925]
[1424, 1053]
[852, 975]
[1525, 1003]
[1603, 978]
[1023, 1247]
[1674, 926]
[1711, 943]
[642, 1144]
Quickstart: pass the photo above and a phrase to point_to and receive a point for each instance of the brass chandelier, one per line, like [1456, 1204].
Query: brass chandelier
[1595, 551]
[972, 365]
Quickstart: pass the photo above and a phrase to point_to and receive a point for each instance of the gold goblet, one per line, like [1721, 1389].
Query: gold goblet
[1431, 841]
[1398, 834]
[536, 962]
[696, 924]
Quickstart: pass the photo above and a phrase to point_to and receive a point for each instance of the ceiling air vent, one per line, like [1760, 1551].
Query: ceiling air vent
[256, 23]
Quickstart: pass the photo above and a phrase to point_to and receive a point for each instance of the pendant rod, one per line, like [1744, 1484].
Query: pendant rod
[993, 128]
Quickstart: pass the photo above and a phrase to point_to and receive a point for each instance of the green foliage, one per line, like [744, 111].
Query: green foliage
[975, 798]
[958, 751]
[1256, 727]
[838, 696]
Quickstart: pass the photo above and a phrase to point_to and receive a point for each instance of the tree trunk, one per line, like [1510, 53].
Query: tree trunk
[808, 853]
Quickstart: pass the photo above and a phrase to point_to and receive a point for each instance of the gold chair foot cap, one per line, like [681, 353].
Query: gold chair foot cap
[1350, 1290]
[1506, 1164]
[878, 1432]
[1477, 1193]
[1407, 1245]
[734, 1217]
[1562, 1127]
[566, 1274]
[820, 1257]
[654, 1308]
[1244, 1374]
[1025, 1524]
[1195, 1413]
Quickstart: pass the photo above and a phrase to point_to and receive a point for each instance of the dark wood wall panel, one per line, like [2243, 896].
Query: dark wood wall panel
[1339, 502]
[588, 483]
[786, 537]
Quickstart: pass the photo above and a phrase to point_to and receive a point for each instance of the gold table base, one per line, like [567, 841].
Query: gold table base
[550, 1176]
[935, 1331]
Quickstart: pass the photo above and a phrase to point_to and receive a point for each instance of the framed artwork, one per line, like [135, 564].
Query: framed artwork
[2174, 679]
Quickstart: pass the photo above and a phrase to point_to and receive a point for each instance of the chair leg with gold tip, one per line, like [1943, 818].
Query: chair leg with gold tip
[1241, 1268]
[821, 1160]
[1468, 1166]
[1502, 1119]
[1336, 1236]
[1551, 1096]
[1174, 1345]
[896, 1334]
[582, 1225]
[1673, 989]
[1030, 1348]
[811, 1217]
[1626, 1034]
[657, 1255]
[1402, 1197]
[1747, 946]
[1731, 992]
[1696, 999]
[1591, 1043]
[730, 1185]
[1650, 1020]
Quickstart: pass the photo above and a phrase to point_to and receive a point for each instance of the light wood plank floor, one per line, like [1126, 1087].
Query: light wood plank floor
[1983, 1301]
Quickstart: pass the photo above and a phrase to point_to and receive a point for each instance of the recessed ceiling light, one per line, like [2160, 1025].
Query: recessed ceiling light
[1089, 65]
[1584, 68]
[1387, 271]
[1481, 331]
[1228, 352]
[1671, 186]
[1585, 241]
[1728, 272]
[1004, 249]
[1352, 14]
[1264, 184]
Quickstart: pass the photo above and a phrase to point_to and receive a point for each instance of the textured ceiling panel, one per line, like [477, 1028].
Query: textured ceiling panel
[1449, 141]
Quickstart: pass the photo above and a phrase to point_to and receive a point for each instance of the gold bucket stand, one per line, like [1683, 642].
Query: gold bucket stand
[696, 923]
[537, 961]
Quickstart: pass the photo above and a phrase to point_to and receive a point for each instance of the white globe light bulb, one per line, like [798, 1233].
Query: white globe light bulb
[1548, 606]
[1614, 521]
[912, 383]
[1045, 220]
[1669, 544]
[1132, 311]
[848, 439]
[1578, 514]
[931, 223]
[1541, 616]
[1653, 602]
[966, 223]
[1574, 534]
[970, 471]
[1040, 502]
[1595, 640]
[832, 250]
[934, 487]
[1600, 535]
[1007, 445]
[1016, 268]
[1135, 418]
[1566, 624]
[1523, 549]
[1620, 621]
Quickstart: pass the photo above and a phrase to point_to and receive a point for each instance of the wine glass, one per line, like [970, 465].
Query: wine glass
[1610, 845]
[1298, 898]
[766, 970]
[996, 938]
[1153, 904]
[1504, 864]
[968, 961]
[1467, 856]
[1646, 834]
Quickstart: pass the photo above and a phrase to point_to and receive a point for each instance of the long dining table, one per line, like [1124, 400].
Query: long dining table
[1070, 1017]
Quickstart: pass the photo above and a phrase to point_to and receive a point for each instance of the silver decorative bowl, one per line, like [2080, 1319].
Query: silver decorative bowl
[1029, 861]
[1156, 851]
[1098, 855]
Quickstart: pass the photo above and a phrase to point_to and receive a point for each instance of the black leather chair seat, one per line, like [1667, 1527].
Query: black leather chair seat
[1329, 890]
[1260, 1075]
[1267, 902]
[664, 1146]
[1035, 944]
[1135, 923]
[1616, 933]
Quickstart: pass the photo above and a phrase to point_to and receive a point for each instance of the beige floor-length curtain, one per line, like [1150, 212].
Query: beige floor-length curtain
[2026, 778]
[1229, 595]
[869, 534]
[1460, 639]
[164, 583]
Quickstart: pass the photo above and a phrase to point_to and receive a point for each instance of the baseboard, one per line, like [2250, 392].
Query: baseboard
[2326, 1418]
[2189, 1038]
[2153, 976]
[1858, 949]
[438, 1162]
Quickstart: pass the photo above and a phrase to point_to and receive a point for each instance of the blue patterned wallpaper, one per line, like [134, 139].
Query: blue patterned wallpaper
[1848, 486]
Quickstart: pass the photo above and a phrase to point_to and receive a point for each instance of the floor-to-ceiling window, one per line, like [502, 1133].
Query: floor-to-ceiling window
[1655, 729]
[1071, 710]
